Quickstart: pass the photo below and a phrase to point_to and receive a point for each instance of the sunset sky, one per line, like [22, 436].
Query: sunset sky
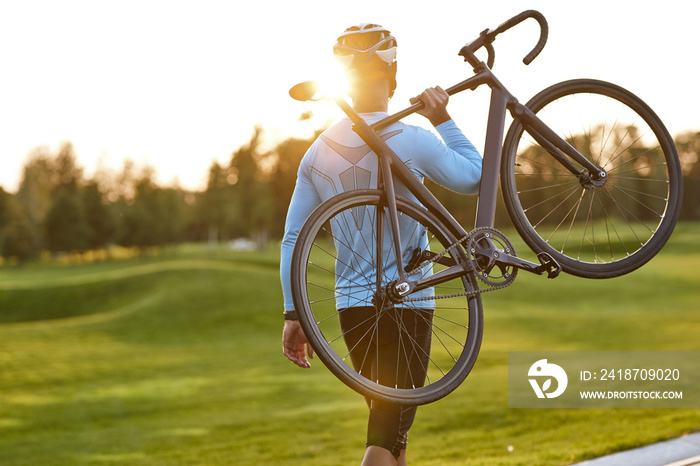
[177, 85]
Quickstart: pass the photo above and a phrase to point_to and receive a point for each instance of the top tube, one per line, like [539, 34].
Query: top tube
[470, 83]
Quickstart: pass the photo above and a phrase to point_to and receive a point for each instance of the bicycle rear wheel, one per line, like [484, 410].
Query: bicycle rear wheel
[410, 353]
[594, 231]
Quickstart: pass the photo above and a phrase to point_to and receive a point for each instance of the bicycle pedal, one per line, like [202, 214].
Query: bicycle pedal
[548, 264]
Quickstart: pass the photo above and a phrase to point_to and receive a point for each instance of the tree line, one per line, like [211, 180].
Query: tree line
[58, 210]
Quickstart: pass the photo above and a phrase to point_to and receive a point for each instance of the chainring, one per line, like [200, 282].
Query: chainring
[484, 246]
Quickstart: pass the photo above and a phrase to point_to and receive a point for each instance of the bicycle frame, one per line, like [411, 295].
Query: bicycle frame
[390, 163]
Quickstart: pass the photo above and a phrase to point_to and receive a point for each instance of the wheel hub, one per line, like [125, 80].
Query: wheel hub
[591, 181]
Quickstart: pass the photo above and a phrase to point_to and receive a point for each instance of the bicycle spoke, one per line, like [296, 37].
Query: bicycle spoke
[574, 190]
[640, 203]
[585, 228]
[574, 187]
[625, 213]
[632, 159]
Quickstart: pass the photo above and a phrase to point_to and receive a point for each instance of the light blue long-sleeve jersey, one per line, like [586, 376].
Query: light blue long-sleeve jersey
[339, 160]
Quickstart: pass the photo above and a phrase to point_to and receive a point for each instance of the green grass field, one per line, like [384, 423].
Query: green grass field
[176, 360]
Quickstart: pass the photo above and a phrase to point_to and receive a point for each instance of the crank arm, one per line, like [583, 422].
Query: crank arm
[547, 263]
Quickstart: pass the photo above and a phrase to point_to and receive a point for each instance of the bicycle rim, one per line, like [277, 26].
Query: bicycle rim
[411, 353]
[594, 231]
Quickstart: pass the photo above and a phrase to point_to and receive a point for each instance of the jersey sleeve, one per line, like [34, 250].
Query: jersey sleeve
[456, 164]
[304, 200]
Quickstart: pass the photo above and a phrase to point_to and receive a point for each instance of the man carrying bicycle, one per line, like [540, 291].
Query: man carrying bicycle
[339, 161]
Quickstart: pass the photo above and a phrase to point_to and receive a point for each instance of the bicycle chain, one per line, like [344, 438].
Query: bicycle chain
[471, 267]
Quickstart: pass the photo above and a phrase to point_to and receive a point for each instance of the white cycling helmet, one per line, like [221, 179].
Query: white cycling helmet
[358, 44]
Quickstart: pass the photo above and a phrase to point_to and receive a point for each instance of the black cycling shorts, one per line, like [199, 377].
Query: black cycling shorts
[400, 360]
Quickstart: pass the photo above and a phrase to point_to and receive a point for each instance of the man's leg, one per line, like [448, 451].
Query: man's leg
[378, 456]
[388, 424]
[401, 461]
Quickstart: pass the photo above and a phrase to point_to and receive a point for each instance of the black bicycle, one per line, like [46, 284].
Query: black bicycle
[591, 180]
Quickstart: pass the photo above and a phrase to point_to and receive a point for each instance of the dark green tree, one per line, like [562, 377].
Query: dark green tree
[217, 203]
[66, 225]
[5, 199]
[153, 217]
[20, 239]
[140, 226]
[688, 145]
[252, 198]
[171, 215]
[66, 175]
[134, 228]
[34, 197]
[67, 229]
[99, 215]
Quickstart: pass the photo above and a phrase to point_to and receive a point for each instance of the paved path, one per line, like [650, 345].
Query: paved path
[682, 451]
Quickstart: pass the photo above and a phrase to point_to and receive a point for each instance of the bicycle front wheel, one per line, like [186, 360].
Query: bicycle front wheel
[594, 231]
[410, 353]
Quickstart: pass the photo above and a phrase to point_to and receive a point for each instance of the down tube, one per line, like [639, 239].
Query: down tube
[488, 188]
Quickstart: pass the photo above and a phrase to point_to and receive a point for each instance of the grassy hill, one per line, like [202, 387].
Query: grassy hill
[176, 360]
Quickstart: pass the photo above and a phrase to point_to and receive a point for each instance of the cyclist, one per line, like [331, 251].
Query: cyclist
[338, 161]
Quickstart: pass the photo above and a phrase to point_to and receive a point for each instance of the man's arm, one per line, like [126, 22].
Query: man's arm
[456, 164]
[304, 201]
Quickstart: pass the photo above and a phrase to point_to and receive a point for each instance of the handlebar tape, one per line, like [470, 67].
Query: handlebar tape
[517, 19]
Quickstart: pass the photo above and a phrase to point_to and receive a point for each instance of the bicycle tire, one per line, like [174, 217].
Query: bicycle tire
[594, 231]
[455, 325]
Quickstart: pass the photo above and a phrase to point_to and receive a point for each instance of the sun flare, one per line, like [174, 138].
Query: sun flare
[333, 82]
